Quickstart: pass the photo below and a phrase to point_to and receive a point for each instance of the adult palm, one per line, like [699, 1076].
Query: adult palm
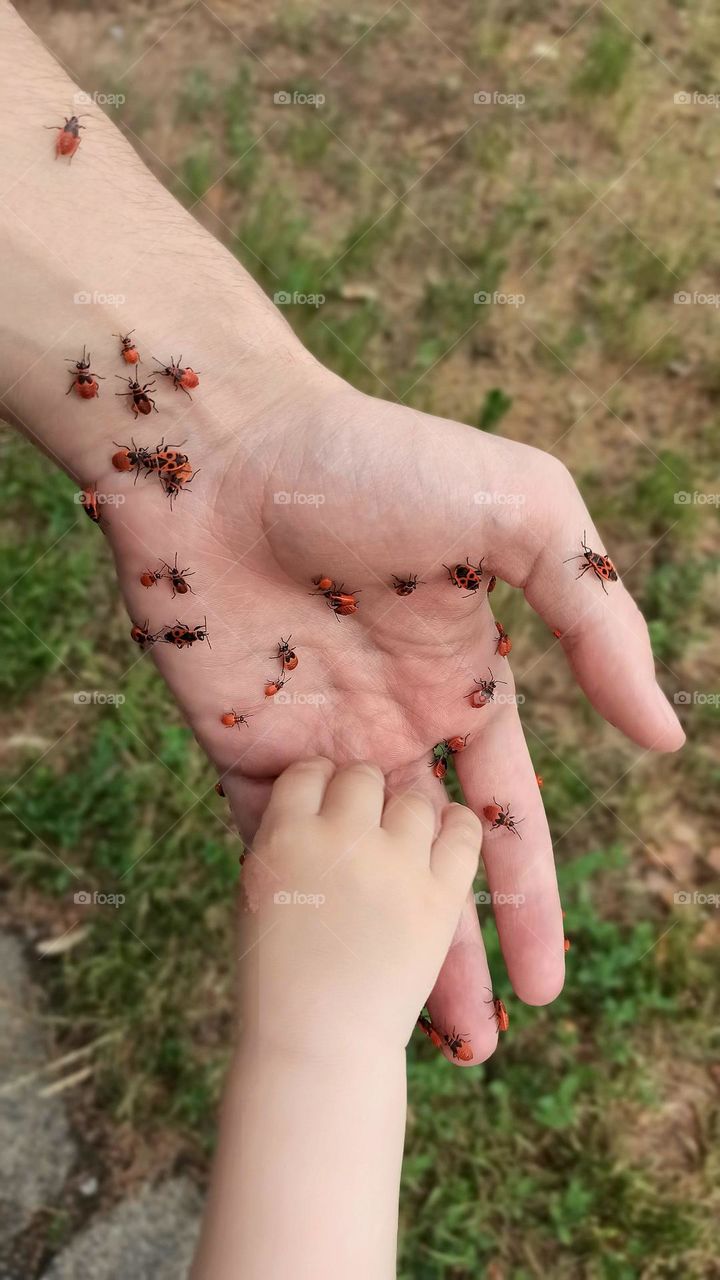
[359, 490]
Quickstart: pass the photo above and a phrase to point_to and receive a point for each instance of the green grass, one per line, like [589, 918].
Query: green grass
[544, 1161]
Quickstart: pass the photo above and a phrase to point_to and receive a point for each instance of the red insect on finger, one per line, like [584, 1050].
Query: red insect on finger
[184, 637]
[566, 944]
[485, 691]
[68, 136]
[504, 643]
[600, 565]
[557, 635]
[499, 817]
[140, 401]
[151, 576]
[178, 577]
[440, 768]
[459, 1045]
[466, 576]
[457, 743]
[128, 350]
[219, 788]
[405, 586]
[491, 584]
[499, 1013]
[323, 584]
[186, 379]
[141, 635]
[428, 1029]
[539, 781]
[287, 656]
[274, 686]
[90, 505]
[233, 719]
[84, 380]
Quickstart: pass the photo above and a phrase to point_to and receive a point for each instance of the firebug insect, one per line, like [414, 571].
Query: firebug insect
[466, 575]
[557, 635]
[89, 503]
[177, 478]
[178, 578]
[182, 378]
[68, 136]
[287, 656]
[140, 401]
[151, 576]
[219, 788]
[540, 781]
[504, 643]
[232, 720]
[405, 586]
[491, 584]
[274, 686]
[141, 635]
[183, 636]
[128, 350]
[566, 944]
[499, 1013]
[443, 750]
[428, 1029]
[341, 602]
[601, 565]
[83, 380]
[485, 691]
[129, 459]
[459, 1045]
[499, 817]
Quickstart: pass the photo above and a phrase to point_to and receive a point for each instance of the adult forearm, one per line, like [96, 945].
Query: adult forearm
[95, 246]
[307, 1172]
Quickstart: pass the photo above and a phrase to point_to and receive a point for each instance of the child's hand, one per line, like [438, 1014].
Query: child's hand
[352, 905]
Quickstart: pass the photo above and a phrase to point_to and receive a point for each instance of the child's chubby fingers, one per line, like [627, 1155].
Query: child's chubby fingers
[300, 790]
[411, 818]
[355, 797]
[456, 851]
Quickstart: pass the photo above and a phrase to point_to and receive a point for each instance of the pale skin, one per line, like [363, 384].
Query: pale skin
[354, 904]
[398, 490]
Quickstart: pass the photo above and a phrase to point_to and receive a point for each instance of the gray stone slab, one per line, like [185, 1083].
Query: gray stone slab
[36, 1148]
[149, 1236]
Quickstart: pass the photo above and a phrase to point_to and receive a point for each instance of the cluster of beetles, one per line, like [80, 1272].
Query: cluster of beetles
[174, 472]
